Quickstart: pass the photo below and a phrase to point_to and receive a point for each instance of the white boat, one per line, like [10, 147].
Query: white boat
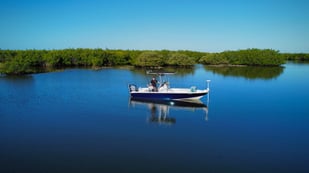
[164, 92]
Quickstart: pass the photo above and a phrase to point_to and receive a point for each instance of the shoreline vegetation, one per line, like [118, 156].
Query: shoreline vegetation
[20, 62]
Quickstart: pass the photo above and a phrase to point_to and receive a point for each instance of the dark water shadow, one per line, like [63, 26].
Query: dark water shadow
[247, 72]
[34, 70]
[17, 78]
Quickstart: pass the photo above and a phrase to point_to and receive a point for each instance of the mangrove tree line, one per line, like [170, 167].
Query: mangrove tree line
[24, 61]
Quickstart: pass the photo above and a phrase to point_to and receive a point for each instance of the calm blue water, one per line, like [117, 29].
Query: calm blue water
[78, 120]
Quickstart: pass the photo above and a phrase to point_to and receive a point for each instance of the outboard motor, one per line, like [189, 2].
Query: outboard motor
[132, 87]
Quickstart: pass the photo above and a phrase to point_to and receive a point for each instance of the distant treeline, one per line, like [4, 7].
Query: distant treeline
[24, 61]
[296, 56]
[251, 57]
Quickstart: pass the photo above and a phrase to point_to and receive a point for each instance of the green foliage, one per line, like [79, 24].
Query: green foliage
[213, 59]
[252, 57]
[23, 61]
[149, 59]
[179, 59]
[16, 66]
[296, 56]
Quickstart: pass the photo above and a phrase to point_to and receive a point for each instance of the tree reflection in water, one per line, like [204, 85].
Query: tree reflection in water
[248, 72]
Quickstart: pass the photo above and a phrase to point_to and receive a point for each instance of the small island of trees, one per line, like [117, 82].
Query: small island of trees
[19, 62]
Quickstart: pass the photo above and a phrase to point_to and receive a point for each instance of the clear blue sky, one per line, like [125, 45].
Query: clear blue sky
[200, 25]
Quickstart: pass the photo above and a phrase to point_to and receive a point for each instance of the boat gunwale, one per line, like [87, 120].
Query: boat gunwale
[171, 91]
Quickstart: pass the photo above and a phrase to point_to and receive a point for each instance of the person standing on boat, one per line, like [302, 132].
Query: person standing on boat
[154, 84]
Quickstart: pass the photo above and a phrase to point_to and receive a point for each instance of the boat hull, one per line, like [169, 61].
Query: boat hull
[168, 95]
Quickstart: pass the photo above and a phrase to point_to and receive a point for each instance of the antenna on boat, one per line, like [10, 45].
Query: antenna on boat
[208, 81]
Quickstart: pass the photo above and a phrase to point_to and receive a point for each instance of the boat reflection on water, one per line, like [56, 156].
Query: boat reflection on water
[160, 109]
